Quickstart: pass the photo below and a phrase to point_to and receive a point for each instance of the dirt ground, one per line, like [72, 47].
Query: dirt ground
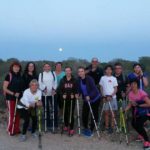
[58, 142]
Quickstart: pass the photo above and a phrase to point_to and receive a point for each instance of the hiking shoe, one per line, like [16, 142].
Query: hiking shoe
[146, 145]
[87, 133]
[34, 135]
[139, 139]
[23, 138]
[65, 129]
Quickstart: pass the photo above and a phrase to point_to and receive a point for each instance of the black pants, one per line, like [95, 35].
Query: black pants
[138, 125]
[26, 115]
[49, 111]
[85, 114]
[68, 114]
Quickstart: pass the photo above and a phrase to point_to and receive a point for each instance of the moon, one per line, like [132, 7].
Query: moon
[60, 49]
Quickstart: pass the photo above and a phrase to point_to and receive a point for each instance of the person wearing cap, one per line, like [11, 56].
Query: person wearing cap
[95, 71]
[139, 75]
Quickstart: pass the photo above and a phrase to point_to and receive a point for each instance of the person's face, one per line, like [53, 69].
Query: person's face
[134, 86]
[68, 71]
[118, 70]
[31, 67]
[47, 67]
[58, 67]
[81, 73]
[137, 69]
[34, 87]
[95, 63]
[108, 71]
[16, 68]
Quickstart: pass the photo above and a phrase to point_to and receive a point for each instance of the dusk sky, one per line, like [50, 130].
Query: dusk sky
[107, 29]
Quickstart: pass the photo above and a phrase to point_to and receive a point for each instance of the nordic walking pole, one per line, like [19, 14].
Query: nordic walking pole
[63, 121]
[113, 116]
[40, 128]
[78, 116]
[14, 119]
[100, 119]
[96, 127]
[53, 113]
[45, 113]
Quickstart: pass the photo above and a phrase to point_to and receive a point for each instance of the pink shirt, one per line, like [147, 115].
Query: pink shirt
[137, 97]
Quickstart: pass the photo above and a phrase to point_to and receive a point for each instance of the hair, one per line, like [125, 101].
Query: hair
[58, 63]
[108, 66]
[135, 81]
[34, 81]
[27, 66]
[81, 67]
[15, 63]
[136, 64]
[68, 67]
[118, 64]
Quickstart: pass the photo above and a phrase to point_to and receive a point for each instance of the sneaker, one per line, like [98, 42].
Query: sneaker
[87, 133]
[23, 138]
[65, 129]
[71, 132]
[139, 139]
[34, 135]
[146, 145]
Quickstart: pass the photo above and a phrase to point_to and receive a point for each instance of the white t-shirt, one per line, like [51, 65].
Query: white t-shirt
[30, 98]
[108, 84]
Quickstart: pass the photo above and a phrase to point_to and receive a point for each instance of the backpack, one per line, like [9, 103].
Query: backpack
[10, 79]
[52, 74]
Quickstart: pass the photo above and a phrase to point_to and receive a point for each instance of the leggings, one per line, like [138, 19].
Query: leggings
[138, 125]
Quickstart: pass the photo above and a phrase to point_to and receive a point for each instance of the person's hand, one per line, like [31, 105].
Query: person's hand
[32, 105]
[134, 104]
[64, 96]
[53, 92]
[72, 96]
[16, 95]
[77, 96]
[39, 104]
[88, 98]
[108, 98]
[123, 94]
[45, 91]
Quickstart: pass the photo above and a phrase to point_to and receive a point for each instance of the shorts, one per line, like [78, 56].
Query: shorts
[113, 104]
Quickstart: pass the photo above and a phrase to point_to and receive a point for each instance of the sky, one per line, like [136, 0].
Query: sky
[107, 29]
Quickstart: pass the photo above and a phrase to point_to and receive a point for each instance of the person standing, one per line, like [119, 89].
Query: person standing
[29, 74]
[12, 88]
[89, 92]
[69, 93]
[48, 86]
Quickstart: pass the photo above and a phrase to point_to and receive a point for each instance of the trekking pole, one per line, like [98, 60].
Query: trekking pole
[40, 128]
[70, 119]
[78, 116]
[45, 113]
[14, 119]
[113, 116]
[96, 127]
[63, 120]
[101, 115]
[123, 125]
[53, 113]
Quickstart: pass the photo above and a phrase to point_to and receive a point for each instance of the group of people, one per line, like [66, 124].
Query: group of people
[57, 92]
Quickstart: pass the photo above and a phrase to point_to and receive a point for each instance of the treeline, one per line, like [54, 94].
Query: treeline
[75, 63]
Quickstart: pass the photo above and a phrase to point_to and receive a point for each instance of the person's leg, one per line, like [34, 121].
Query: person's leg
[25, 115]
[138, 125]
[85, 115]
[106, 115]
[95, 108]
[34, 122]
[72, 119]
[49, 124]
[66, 115]
[56, 111]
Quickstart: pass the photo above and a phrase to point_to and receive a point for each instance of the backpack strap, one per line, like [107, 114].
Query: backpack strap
[53, 75]
[10, 77]
[42, 77]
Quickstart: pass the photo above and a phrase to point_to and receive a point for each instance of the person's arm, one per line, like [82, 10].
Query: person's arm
[145, 81]
[42, 87]
[115, 91]
[147, 103]
[6, 90]
[55, 82]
